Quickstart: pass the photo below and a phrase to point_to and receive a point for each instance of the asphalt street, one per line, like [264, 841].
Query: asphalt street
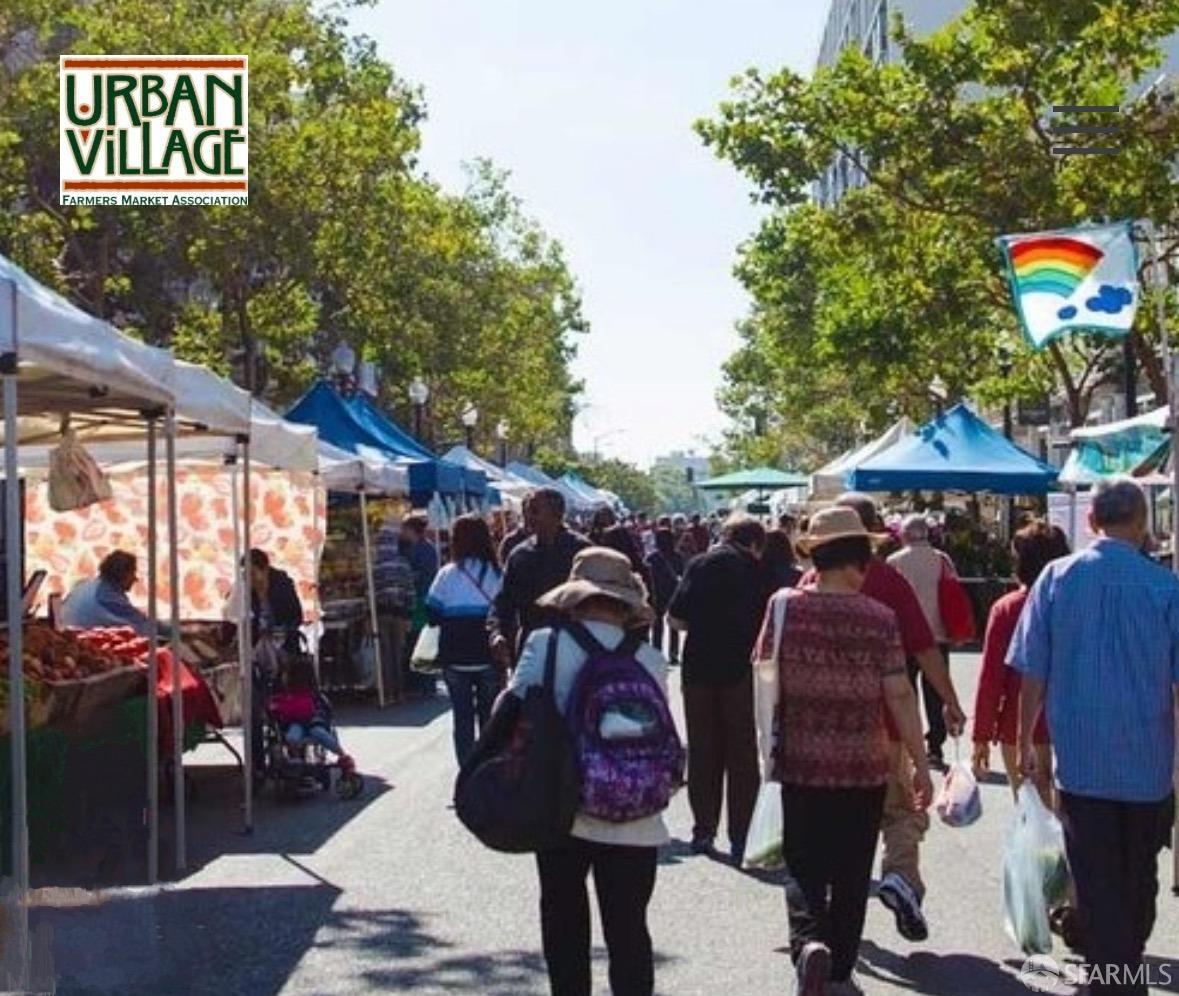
[390, 894]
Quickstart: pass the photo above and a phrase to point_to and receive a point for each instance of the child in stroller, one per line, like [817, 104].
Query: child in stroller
[301, 733]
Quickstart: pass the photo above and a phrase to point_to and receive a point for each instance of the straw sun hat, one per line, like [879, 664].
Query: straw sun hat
[833, 524]
[601, 572]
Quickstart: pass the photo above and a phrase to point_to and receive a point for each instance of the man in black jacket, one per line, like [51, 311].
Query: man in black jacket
[536, 566]
[720, 602]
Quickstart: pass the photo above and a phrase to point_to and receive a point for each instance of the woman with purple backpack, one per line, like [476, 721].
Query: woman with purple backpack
[611, 688]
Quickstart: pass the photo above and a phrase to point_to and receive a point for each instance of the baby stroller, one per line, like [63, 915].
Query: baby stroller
[300, 768]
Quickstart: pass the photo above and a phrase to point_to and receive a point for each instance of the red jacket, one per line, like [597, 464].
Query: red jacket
[293, 707]
[996, 704]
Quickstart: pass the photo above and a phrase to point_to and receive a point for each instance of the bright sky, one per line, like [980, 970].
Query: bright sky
[590, 106]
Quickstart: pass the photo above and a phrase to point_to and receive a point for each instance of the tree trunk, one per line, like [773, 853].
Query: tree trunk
[1077, 408]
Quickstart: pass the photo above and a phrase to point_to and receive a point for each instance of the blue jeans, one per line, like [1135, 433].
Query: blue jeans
[472, 694]
[297, 732]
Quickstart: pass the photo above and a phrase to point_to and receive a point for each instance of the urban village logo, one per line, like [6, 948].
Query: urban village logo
[154, 129]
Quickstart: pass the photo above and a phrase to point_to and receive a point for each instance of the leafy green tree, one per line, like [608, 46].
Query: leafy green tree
[344, 238]
[859, 304]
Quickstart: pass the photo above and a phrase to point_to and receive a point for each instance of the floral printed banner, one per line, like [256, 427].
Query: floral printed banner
[70, 545]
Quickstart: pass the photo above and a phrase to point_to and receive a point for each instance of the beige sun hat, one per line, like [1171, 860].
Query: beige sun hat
[601, 572]
[833, 524]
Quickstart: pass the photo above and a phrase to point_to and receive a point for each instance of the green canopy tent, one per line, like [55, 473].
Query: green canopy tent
[758, 479]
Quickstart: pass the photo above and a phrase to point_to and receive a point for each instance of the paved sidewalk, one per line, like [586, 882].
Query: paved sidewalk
[390, 894]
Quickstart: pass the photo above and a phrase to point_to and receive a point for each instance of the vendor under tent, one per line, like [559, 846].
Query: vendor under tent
[56, 359]
[211, 416]
[829, 482]
[342, 426]
[957, 451]
[757, 479]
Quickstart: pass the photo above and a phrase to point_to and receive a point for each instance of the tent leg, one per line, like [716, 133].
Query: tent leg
[245, 641]
[16, 677]
[372, 600]
[153, 666]
[178, 802]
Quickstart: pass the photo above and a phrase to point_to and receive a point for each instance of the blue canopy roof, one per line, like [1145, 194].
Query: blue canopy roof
[473, 482]
[574, 500]
[957, 451]
[323, 408]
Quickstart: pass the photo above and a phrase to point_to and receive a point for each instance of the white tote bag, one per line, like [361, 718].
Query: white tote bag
[425, 652]
[766, 688]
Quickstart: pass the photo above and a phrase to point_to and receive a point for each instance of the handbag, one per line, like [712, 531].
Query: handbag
[520, 789]
[424, 658]
[766, 687]
[955, 608]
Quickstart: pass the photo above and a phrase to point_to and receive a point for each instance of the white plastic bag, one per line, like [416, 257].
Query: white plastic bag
[958, 802]
[75, 480]
[425, 650]
[763, 845]
[1035, 872]
[766, 686]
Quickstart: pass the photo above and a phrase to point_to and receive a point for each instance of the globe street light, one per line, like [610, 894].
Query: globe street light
[344, 365]
[419, 394]
[939, 393]
[470, 420]
[501, 433]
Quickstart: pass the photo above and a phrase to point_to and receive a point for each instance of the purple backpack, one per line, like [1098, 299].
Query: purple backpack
[631, 757]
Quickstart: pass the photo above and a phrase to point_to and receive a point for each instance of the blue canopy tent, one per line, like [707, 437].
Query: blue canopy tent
[575, 501]
[957, 451]
[339, 425]
[472, 482]
[592, 495]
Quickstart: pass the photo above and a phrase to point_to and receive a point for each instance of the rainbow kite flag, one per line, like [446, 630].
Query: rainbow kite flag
[1079, 280]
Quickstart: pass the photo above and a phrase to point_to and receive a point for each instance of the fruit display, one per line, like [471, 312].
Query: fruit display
[69, 656]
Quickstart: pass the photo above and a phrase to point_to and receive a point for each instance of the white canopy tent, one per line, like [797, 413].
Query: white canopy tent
[511, 487]
[56, 359]
[829, 482]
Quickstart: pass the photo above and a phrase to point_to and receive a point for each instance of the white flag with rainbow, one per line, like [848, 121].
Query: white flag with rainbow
[1074, 280]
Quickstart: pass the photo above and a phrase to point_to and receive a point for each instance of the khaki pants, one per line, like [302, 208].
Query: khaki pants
[903, 827]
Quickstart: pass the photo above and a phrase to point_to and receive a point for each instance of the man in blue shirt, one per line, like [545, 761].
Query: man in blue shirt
[103, 601]
[1098, 647]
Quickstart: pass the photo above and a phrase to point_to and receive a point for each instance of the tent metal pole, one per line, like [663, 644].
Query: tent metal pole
[241, 588]
[316, 522]
[16, 676]
[245, 640]
[153, 665]
[178, 801]
[372, 599]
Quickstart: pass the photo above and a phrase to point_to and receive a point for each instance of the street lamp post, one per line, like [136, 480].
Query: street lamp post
[419, 394]
[470, 420]
[501, 433]
[939, 393]
[344, 366]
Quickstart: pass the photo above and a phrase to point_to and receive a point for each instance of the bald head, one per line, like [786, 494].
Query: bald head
[1118, 508]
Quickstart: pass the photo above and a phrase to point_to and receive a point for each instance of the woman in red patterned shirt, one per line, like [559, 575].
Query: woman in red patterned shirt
[996, 704]
[840, 663]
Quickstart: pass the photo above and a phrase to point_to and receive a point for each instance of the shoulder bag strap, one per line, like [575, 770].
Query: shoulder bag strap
[550, 663]
[779, 623]
[585, 639]
[477, 582]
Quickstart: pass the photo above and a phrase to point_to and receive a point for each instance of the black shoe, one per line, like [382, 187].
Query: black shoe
[702, 845]
[737, 853]
[937, 760]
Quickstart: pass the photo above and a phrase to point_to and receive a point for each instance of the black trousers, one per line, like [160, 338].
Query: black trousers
[829, 848]
[935, 736]
[624, 878]
[1113, 850]
[722, 757]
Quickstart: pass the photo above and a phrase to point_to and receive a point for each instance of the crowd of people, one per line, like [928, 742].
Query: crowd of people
[1079, 667]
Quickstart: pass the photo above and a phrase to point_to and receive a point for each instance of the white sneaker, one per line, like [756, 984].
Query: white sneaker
[813, 970]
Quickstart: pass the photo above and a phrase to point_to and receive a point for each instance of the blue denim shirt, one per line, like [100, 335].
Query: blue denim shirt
[1101, 629]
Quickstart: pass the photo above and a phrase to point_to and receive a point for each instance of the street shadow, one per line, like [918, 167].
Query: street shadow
[219, 942]
[411, 714]
[413, 958]
[937, 975]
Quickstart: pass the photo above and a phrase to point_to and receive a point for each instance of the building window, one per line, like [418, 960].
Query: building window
[882, 30]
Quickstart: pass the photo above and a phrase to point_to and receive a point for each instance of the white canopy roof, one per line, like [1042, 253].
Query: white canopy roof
[71, 361]
[828, 481]
[211, 402]
[340, 470]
